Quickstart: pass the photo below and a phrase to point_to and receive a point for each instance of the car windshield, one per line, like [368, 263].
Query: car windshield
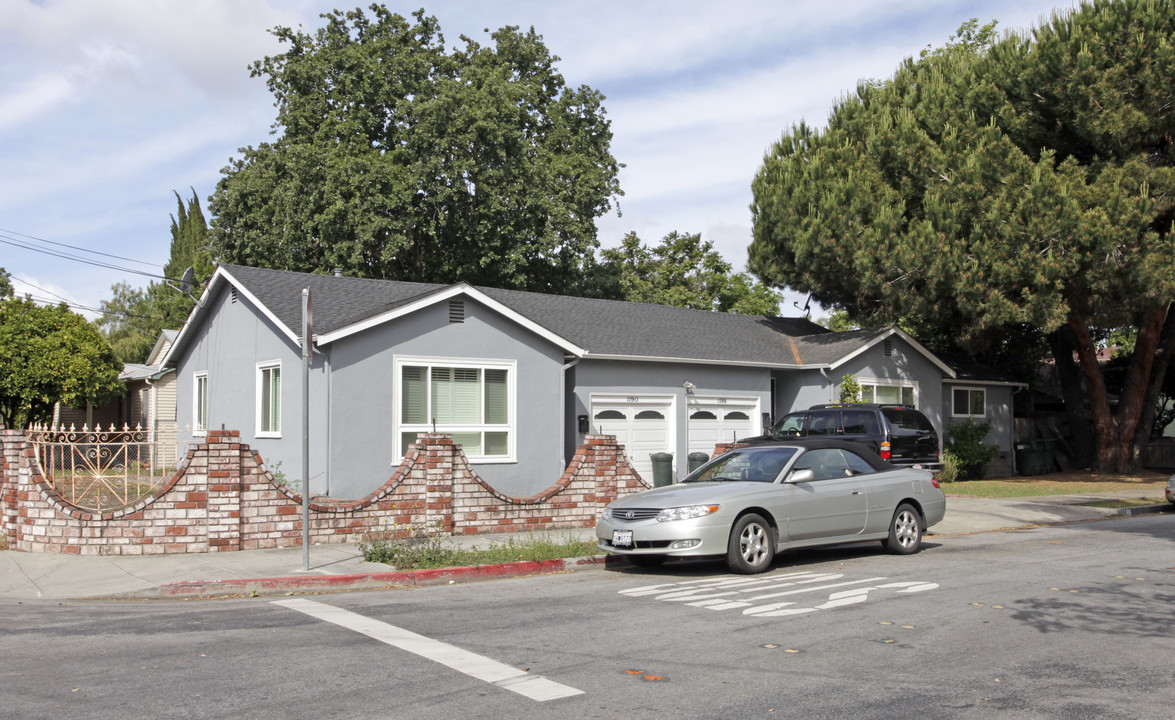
[753, 464]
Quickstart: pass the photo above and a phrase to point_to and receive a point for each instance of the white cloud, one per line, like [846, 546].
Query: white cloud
[33, 99]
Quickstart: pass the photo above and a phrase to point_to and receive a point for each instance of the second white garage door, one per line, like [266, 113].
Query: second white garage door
[643, 425]
[721, 419]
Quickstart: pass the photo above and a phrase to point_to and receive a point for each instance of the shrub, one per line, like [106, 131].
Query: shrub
[850, 389]
[966, 444]
[950, 468]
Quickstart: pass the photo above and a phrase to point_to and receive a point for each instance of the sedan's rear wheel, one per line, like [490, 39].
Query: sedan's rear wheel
[752, 545]
[905, 531]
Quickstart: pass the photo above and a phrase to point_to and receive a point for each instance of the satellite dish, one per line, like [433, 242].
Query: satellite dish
[187, 280]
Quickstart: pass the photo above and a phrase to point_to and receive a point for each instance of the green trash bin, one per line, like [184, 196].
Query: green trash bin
[662, 468]
[697, 460]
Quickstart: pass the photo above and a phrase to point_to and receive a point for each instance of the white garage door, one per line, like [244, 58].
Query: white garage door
[722, 419]
[641, 424]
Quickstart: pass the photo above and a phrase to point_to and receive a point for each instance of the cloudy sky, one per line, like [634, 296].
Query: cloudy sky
[108, 106]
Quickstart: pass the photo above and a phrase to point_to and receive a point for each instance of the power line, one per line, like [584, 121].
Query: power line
[10, 233]
[79, 306]
[26, 282]
[8, 240]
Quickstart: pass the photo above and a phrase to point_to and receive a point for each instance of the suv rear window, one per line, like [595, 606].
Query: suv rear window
[859, 422]
[908, 420]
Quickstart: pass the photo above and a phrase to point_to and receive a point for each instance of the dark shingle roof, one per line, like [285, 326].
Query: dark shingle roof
[602, 327]
[829, 347]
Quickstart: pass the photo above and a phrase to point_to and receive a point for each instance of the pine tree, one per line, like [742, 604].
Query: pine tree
[980, 192]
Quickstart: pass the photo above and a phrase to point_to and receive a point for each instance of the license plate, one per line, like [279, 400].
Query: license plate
[622, 538]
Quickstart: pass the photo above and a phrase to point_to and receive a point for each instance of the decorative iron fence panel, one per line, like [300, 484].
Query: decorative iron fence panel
[98, 470]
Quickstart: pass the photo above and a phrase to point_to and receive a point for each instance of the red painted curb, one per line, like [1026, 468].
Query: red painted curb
[411, 578]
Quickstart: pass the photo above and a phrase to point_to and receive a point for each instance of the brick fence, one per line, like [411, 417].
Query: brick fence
[223, 498]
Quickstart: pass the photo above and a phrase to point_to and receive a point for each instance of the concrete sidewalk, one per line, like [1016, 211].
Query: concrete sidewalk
[47, 576]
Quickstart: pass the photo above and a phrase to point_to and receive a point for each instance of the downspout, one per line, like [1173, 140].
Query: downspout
[329, 384]
[563, 412]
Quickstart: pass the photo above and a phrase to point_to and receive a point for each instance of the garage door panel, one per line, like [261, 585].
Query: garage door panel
[642, 428]
[713, 421]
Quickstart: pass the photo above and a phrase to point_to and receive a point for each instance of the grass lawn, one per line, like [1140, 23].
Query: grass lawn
[1061, 483]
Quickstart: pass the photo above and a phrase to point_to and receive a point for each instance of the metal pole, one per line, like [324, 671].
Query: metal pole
[307, 331]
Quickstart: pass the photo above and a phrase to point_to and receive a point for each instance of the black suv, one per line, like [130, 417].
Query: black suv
[900, 434]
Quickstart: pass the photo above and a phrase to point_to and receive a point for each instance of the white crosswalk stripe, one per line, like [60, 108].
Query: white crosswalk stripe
[504, 676]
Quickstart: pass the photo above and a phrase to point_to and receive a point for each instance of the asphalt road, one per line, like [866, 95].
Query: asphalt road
[1064, 622]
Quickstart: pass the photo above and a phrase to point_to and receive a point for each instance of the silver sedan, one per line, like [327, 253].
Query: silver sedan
[754, 502]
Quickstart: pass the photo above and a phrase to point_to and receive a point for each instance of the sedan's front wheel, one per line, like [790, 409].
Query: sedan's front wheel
[905, 531]
[752, 545]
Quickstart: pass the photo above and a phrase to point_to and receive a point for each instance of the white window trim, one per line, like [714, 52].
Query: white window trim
[258, 410]
[969, 389]
[511, 427]
[197, 430]
[889, 382]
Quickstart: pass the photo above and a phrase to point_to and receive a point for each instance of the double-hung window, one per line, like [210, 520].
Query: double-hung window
[269, 399]
[968, 402]
[471, 400]
[200, 403]
[887, 394]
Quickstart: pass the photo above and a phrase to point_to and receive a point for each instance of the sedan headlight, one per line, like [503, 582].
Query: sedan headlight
[686, 513]
[606, 513]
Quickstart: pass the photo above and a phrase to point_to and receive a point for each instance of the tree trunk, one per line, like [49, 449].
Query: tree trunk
[1150, 403]
[1069, 377]
[1114, 432]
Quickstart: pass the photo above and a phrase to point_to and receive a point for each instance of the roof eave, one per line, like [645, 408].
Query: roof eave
[702, 361]
[890, 332]
[440, 295]
[219, 277]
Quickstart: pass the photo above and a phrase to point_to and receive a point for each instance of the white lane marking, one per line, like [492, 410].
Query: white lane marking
[749, 594]
[504, 676]
[839, 599]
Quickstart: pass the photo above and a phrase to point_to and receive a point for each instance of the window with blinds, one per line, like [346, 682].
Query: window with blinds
[471, 403]
[887, 394]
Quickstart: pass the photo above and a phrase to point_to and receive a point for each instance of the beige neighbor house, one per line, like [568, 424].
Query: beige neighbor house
[149, 404]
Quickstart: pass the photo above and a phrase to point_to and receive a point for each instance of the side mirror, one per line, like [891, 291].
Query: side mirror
[802, 475]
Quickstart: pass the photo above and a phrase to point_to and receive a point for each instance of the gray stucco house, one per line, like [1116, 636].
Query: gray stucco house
[518, 378]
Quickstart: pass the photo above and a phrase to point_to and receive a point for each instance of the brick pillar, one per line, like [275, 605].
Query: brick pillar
[600, 456]
[223, 449]
[439, 453]
[11, 443]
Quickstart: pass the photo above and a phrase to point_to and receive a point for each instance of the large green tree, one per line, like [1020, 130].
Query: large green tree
[396, 157]
[133, 317]
[5, 284]
[1029, 186]
[51, 354]
[684, 271]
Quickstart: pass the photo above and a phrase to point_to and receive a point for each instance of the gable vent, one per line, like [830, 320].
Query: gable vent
[456, 311]
[233, 294]
[888, 348]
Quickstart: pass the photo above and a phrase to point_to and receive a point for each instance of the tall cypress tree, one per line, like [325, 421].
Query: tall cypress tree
[133, 318]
